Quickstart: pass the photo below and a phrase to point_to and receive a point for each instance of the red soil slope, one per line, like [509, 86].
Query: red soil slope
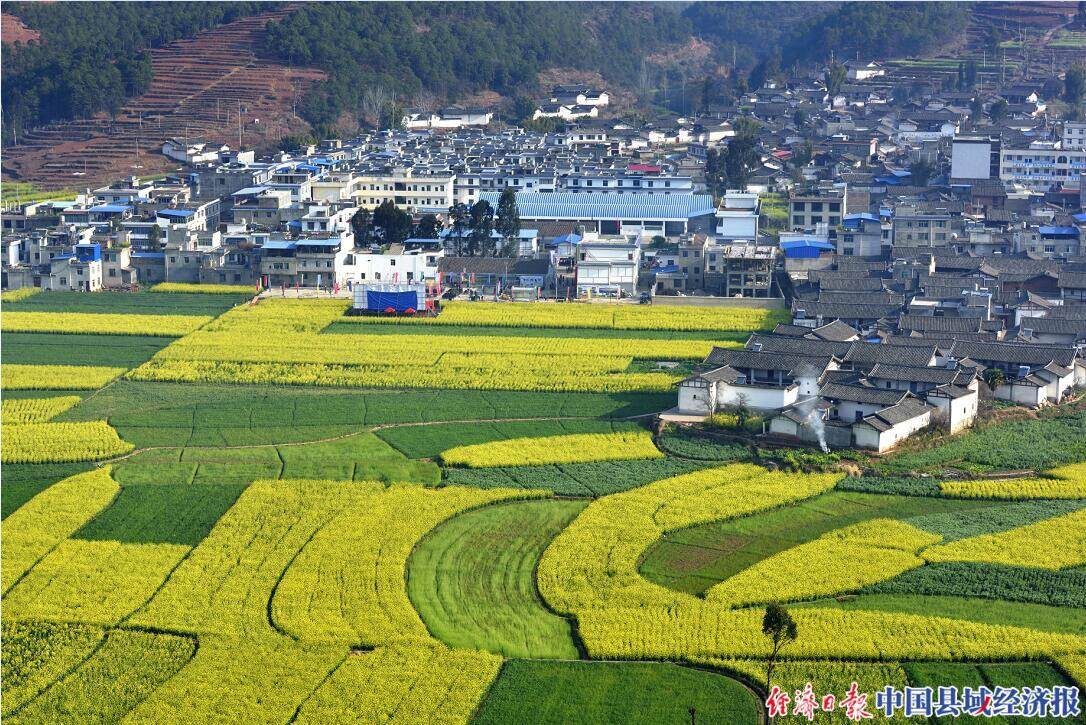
[12, 29]
[198, 86]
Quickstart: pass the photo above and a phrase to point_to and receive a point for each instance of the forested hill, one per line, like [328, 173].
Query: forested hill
[93, 55]
[803, 31]
[449, 49]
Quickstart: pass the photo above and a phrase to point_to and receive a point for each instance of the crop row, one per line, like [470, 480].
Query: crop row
[1064, 545]
[203, 289]
[704, 629]
[593, 563]
[596, 316]
[405, 683]
[395, 376]
[35, 410]
[839, 561]
[33, 530]
[990, 581]
[98, 582]
[102, 323]
[61, 442]
[56, 377]
[1016, 488]
[574, 479]
[331, 553]
[577, 448]
[117, 676]
[37, 653]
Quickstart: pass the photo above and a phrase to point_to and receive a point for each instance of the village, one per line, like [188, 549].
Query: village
[926, 246]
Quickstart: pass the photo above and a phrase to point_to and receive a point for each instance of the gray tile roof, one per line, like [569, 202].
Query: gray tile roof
[1014, 353]
[862, 394]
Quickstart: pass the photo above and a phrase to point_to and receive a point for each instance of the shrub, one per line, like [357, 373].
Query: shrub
[577, 448]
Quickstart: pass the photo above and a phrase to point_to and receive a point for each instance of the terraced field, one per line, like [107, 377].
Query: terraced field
[256, 551]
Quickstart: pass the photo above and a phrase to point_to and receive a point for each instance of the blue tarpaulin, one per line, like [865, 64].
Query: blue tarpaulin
[398, 301]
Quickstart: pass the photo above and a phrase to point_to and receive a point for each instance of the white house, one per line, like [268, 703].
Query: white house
[737, 216]
[608, 268]
[396, 265]
[883, 430]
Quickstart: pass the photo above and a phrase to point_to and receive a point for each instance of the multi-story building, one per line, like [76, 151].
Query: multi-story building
[913, 227]
[807, 211]
[1074, 135]
[1042, 166]
[737, 216]
[608, 268]
[739, 270]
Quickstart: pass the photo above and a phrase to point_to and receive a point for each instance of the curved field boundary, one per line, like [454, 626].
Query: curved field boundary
[472, 580]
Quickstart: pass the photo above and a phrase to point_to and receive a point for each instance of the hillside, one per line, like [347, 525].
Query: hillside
[198, 84]
[13, 30]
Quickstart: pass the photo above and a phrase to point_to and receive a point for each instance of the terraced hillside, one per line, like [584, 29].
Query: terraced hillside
[13, 30]
[198, 86]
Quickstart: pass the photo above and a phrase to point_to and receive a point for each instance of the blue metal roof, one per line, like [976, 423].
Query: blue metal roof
[112, 208]
[148, 255]
[667, 269]
[1059, 231]
[1079, 217]
[278, 244]
[592, 205]
[570, 238]
[805, 248]
[175, 212]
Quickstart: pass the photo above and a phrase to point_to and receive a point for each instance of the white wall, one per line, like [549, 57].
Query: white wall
[971, 160]
[756, 398]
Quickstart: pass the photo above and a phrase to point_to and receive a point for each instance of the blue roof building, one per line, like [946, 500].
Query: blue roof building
[608, 213]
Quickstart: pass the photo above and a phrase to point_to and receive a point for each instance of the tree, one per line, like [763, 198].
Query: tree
[835, 78]
[507, 222]
[1074, 84]
[458, 215]
[427, 227]
[362, 226]
[480, 226]
[741, 155]
[154, 238]
[800, 118]
[998, 111]
[970, 73]
[921, 171]
[993, 377]
[716, 178]
[523, 108]
[976, 110]
[778, 625]
[394, 223]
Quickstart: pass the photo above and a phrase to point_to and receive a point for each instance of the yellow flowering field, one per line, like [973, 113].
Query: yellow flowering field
[281, 341]
[35, 410]
[597, 316]
[98, 582]
[1055, 543]
[1016, 488]
[840, 561]
[205, 289]
[102, 323]
[36, 527]
[593, 562]
[579, 448]
[14, 295]
[60, 442]
[702, 629]
[56, 377]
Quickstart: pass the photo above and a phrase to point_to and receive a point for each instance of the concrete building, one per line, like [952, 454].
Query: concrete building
[608, 268]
